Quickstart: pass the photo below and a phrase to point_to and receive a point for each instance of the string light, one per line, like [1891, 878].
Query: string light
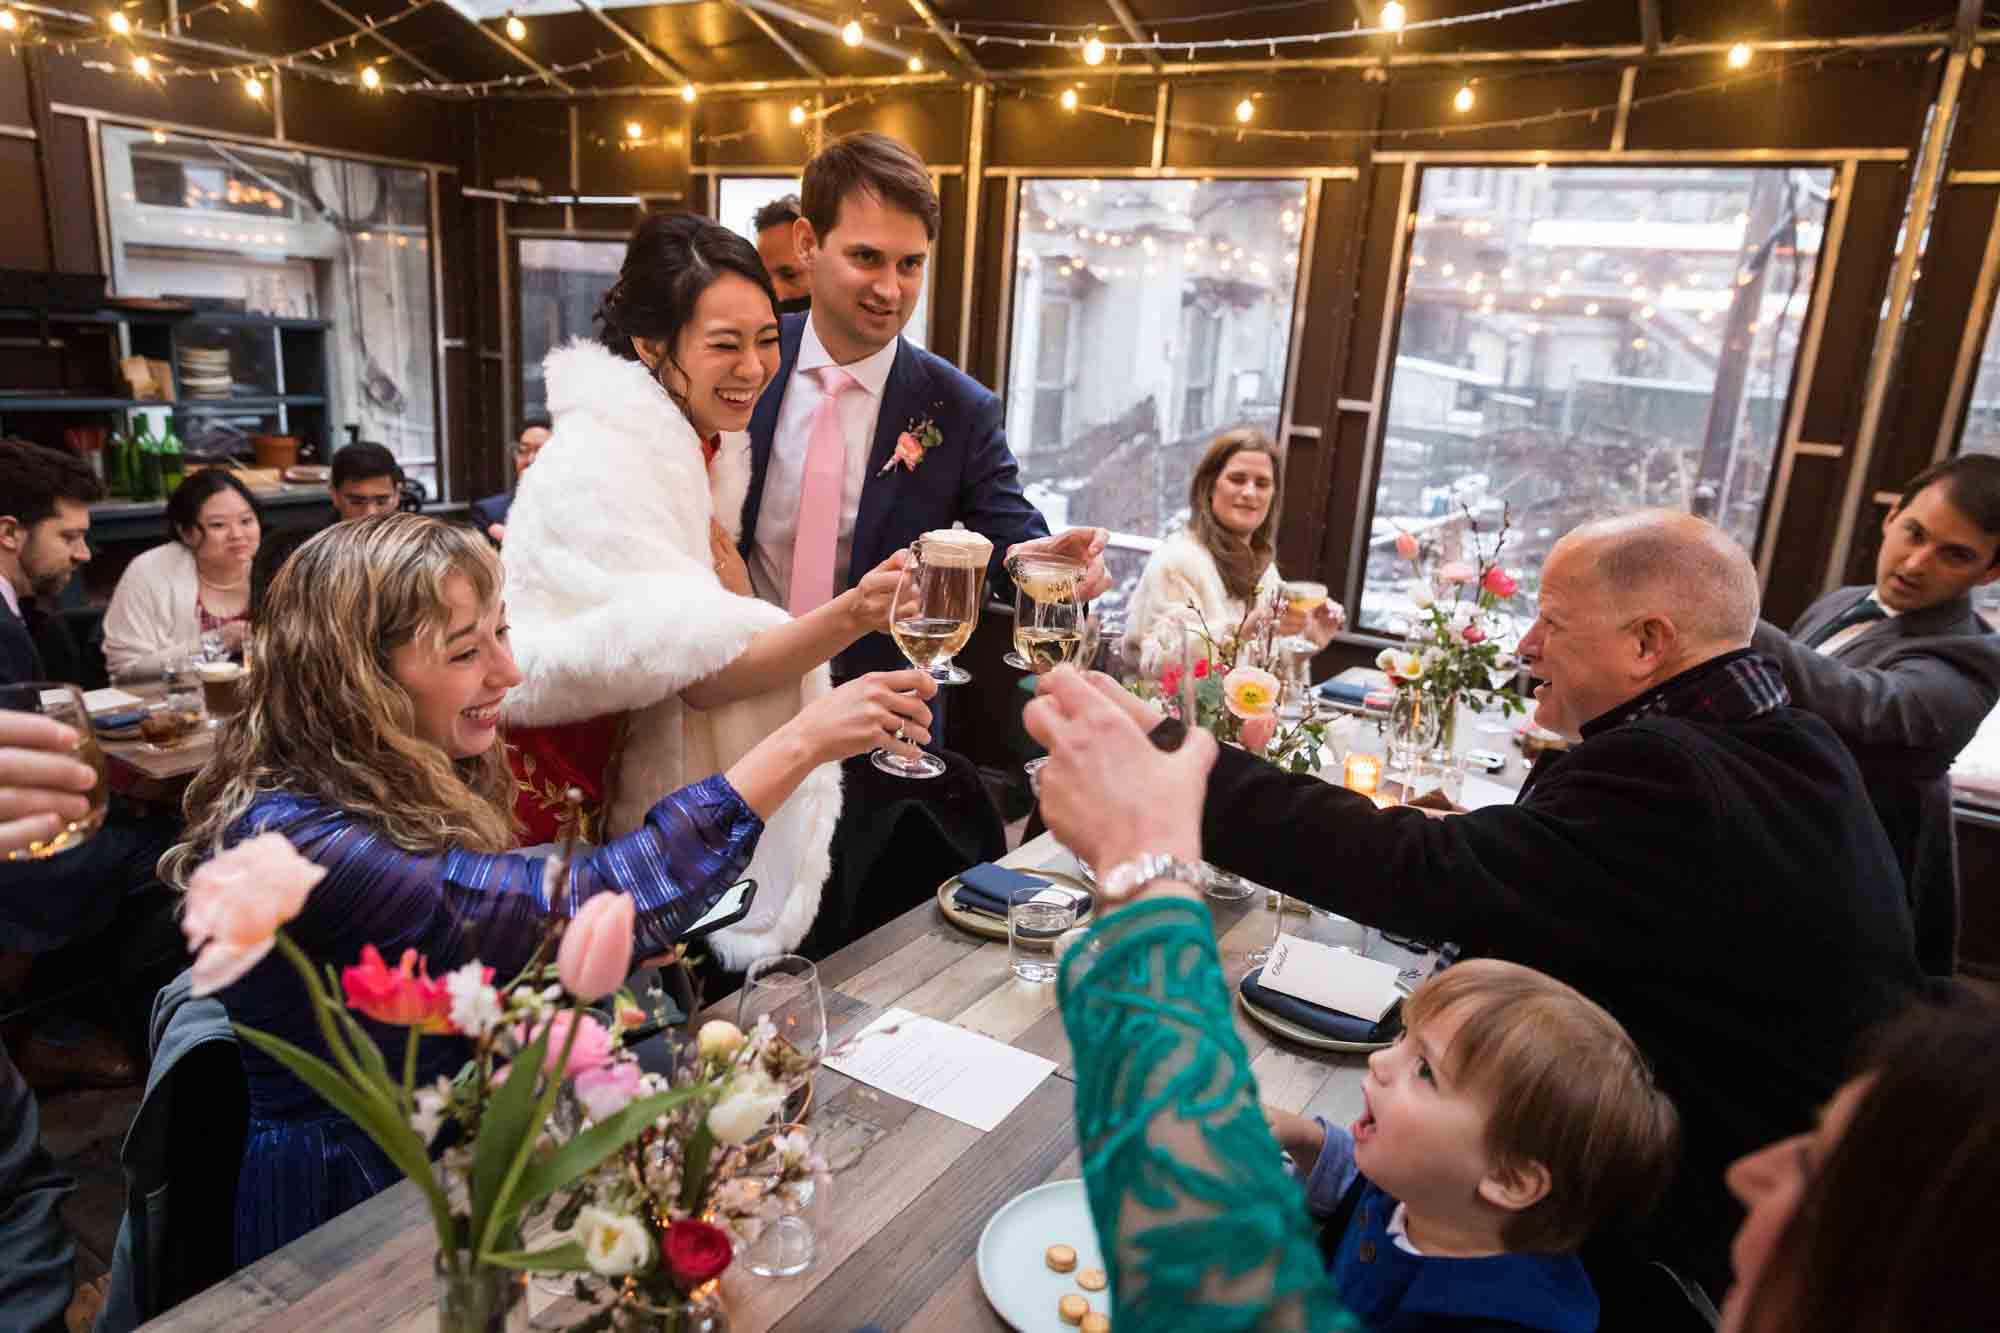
[634, 130]
[516, 30]
[916, 64]
[119, 23]
[371, 79]
[798, 114]
[1245, 111]
[1393, 17]
[1068, 99]
[247, 4]
[1093, 51]
[142, 66]
[253, 87]
[7, 20]
[851, 33]
[688, 94]
[1463, 101]
[1739, 56]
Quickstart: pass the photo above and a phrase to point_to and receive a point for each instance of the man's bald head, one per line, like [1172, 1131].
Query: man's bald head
[1677, 566]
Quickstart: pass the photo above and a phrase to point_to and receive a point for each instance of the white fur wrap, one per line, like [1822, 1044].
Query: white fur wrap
[615, 607]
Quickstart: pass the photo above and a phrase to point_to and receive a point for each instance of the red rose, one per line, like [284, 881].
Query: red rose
[1499, 582]
[695, 1252]
[1474, 634]
[1201, 669]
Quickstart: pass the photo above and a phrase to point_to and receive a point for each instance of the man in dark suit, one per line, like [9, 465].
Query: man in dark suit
[490, 515]
[1905, 672]
[834, 487]
[45, 499]
[1704, 863]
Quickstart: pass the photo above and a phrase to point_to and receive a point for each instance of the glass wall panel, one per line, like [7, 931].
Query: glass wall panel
[1149, 317]
[561, 283]
[1583, 340]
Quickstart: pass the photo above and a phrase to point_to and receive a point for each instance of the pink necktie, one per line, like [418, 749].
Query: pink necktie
[819, 496]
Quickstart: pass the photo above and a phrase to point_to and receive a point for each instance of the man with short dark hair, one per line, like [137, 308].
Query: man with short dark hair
[777, 247]
[1905, 672]
[45, 499]
[490, 515]
[367, 480]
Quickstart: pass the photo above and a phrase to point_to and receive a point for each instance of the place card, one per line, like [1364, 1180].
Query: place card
[1331, 977]
[941, 1067]
[108, 700]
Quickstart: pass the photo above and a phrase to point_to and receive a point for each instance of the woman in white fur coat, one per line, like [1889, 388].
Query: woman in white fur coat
[1224, 562]
[625, 592]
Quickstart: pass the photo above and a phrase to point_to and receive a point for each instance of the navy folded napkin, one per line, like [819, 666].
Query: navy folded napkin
[124, 717]
[984, 888]
[1318, 1018]
[1347, 692]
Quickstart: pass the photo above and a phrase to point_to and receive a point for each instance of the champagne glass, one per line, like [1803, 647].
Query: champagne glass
[63, 703]
[1048, 619]
[937, 610]
[1047, 571]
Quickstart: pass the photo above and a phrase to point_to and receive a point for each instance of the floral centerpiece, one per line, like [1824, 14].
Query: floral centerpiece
[1233, 698]
[535, 1046]
[1453, 650]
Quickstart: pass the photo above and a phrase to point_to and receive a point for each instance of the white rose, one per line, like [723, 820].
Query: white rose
[614, 1244]
[751, 1101]
[719, 1039]
[1419, 591]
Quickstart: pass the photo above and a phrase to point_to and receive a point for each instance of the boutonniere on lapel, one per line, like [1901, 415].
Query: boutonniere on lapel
[911, 446]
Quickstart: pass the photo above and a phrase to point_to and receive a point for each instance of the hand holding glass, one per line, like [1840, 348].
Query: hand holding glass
[62, 703]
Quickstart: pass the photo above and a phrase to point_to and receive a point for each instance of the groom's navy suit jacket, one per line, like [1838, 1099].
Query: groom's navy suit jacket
[970, 477]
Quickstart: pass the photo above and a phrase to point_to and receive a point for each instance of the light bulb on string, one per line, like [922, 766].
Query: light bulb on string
[634, 130]
[1739, 56]
[1246, 110]
[851, 32]
[1463, 101]
[798, 116]
[517, 31]
[253, 87]
[247, 4]
[142, 67]
[916, 64]
[7, 20]
[371, 78]
[1068, 99]
[119, 23]
[1093, 51]
[1393, 17]
[688, 93]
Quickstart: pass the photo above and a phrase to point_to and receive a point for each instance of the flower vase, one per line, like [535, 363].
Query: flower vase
[699, 1311]
[1445, 763]
[475, 1299]
[1413, 730]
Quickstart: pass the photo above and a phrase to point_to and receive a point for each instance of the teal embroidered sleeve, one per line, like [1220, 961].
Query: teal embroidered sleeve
[1199, 1220]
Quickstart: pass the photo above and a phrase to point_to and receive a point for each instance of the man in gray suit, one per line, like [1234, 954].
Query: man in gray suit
[1905, 672]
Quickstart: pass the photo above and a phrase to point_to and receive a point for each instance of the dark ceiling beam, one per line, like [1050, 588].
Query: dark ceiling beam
[547, 75]
[950, 40]
[799, 18]
[396, 49]
[656, 62]
[779, 40]
[1123, 13]
[1649, 25]
[1965, 33]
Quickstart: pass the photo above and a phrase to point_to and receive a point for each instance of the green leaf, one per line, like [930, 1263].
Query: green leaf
[564, 1258]
[509, 1123]
[575, 1159]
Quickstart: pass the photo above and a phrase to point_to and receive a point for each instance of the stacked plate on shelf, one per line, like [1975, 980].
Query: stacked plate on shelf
[205, 372]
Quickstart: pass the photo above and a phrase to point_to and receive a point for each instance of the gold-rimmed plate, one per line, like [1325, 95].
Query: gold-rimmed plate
[995, 927]
[1304, 1036]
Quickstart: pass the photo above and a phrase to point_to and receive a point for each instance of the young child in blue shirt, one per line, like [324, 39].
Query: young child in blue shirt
[1511, 1120]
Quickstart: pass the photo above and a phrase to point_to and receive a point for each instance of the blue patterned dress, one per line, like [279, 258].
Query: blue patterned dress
[305, 1163]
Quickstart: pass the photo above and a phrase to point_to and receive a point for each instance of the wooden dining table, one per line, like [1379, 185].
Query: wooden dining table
[911, 1191]
[154, 774]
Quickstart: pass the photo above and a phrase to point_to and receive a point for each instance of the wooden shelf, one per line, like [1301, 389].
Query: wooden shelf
[71, 403]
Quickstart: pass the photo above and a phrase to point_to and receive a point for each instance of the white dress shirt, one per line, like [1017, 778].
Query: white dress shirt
[784, 475]
[1849, 633]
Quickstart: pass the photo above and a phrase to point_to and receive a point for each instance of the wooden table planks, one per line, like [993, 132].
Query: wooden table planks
[912, 1189]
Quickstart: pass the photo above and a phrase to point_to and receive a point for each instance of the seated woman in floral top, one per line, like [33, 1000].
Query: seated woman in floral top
[370, 738]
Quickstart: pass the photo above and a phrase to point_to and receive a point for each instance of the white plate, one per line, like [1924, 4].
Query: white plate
[1012, 1270]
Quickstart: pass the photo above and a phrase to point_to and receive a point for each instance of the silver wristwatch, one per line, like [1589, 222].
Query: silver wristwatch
[1128, 877]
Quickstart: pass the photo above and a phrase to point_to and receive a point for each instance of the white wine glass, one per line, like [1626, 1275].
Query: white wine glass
[785, 989]
[933, 617]
[1048, 619]
[1041, 567]
[62, 703]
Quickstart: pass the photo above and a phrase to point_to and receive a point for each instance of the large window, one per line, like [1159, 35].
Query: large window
[291, 235]
[1582, 340]
[737, 199]
[562, 282]
[1149, 316]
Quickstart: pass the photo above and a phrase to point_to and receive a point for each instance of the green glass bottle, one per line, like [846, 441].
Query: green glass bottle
[146, 476]
[117, 481]
[172, 463]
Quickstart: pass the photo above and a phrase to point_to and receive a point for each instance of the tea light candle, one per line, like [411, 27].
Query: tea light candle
[1363, 773]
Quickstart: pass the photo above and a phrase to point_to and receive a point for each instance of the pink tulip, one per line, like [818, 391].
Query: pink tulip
[1499, 582]
[405, 997]
[1259, 732]
[1474, 634]
[606, 1091]
[235, 903]
[591, 1049]
[1456, 571]
[1406, 546]
[596, 950]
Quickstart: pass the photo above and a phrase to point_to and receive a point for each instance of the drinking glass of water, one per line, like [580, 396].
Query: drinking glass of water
[1036, 919]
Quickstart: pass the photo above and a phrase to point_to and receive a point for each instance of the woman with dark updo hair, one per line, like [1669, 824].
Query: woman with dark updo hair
[648, 661]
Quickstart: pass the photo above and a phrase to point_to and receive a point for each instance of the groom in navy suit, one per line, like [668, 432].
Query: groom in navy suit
[840, 478]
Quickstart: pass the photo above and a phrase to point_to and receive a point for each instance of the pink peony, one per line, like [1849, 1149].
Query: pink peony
[1406, 546]
[1259, 732]
[405, 997]
[607, 1090]
[236, 902]
[596, 949]
[1455, 572]
[590, 1051]
[1473, 634]
[1499, 582]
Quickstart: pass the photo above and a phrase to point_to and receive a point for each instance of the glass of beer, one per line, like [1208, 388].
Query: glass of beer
[221, 690]
[942, 601]
[64, 704]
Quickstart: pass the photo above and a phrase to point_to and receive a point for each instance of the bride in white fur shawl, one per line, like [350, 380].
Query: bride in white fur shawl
[626, 595]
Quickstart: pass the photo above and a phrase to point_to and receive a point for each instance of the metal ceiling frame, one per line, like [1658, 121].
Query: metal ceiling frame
[656, 62]
[394, 48]
[547, 75]
[798, 18]
[778, 39]
[1123, 13]
[950, 39]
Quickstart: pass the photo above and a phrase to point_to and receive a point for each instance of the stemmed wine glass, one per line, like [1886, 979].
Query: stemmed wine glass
[786, 990]
[937, 605]
[62, 703]
[1051, 627]
[1048, 574]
